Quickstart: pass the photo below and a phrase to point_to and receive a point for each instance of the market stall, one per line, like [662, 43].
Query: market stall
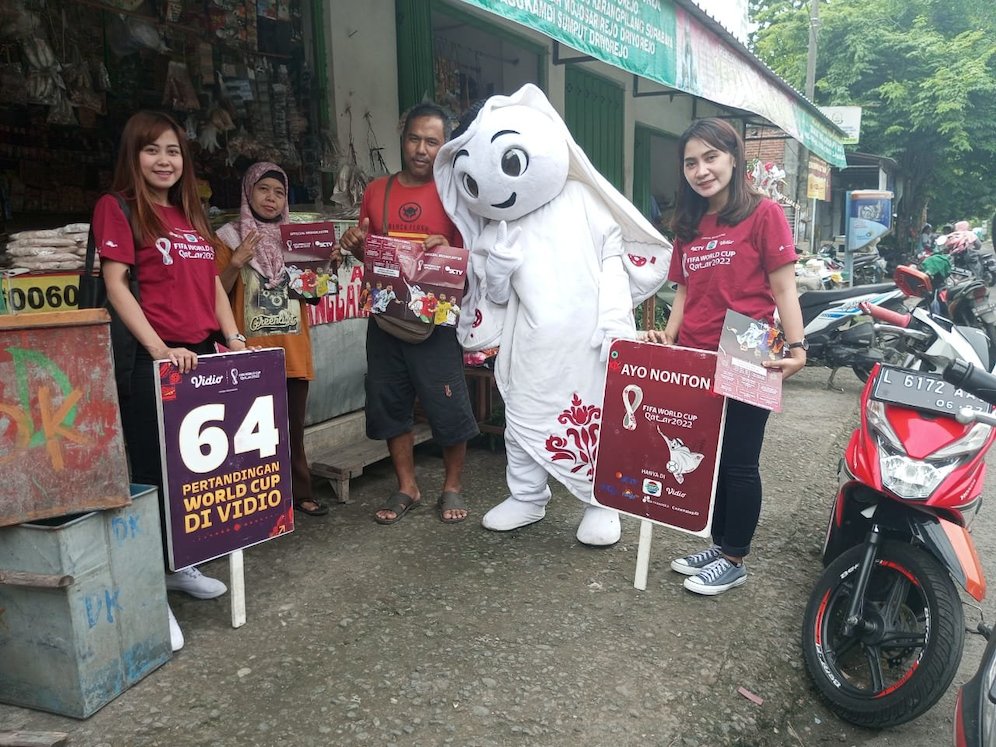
[239, 75]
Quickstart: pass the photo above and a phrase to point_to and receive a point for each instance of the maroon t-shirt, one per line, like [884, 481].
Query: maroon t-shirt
[176, 272]
[726, 267]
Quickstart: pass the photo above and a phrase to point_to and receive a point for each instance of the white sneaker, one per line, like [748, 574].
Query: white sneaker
[195, 583]
[175, 634]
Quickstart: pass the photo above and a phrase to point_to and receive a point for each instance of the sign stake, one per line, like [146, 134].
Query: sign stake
[643, 555]
[237, 588]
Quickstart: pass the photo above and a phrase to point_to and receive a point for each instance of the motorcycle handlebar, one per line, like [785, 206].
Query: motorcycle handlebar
[885, 315]
[978, 381]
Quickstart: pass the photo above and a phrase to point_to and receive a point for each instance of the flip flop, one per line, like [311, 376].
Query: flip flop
[321, 509]
[399, 504]
[450, 500]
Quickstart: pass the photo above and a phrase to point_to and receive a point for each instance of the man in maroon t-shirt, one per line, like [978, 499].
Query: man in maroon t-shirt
[432, 370]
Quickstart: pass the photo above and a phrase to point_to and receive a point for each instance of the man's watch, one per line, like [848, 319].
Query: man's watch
[237, 336]
[804, 344]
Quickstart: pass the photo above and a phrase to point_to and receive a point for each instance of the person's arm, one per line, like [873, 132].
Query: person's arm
[127, 307]
[783, 288]
[223, 311]
[240, 257]
[675, 317]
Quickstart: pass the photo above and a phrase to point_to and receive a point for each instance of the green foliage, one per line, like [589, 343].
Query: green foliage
[924, 73]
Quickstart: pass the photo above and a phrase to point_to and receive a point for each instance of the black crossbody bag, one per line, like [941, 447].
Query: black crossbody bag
[93, 295]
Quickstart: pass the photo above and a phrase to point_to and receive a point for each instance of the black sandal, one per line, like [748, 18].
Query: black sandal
[399, 504]
[320, 510]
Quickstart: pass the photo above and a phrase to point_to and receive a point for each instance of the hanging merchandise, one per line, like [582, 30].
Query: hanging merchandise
[179, 93]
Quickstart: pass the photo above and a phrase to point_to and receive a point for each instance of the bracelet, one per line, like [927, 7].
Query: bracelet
[237, 336]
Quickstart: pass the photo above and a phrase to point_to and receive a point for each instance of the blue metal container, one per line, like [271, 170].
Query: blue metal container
[71, 649]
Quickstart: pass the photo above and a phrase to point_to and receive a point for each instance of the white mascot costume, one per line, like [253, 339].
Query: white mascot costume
[558, 260]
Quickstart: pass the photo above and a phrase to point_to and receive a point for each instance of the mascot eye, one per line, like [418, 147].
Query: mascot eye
[514, 161]
[470, 185]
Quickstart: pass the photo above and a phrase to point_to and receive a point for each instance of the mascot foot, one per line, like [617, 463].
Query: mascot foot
[599, 527]
[511, 514]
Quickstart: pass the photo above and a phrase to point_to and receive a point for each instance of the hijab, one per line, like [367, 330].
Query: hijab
[269, 258]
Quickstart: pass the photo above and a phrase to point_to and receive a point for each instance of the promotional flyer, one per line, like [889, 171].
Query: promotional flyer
[743, 347]
[662, 427]
[226, 454]
[307, 249]
[405, 280]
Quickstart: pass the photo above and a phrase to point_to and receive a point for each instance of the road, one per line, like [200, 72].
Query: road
[423, 633]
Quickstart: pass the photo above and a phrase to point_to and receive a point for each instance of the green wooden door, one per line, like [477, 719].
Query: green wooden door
[594, 112]
[642, 189]
[414, 29]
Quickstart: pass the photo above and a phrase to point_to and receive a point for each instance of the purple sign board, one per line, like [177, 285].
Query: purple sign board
[662, 427]
[226, 454]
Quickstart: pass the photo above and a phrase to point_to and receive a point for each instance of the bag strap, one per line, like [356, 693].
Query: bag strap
[387, 195]
[91, 241]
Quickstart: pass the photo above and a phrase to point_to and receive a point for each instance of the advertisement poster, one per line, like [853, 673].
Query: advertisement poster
[744, 345]
[405, 280]
[662, 427]
[226, 454]
[869, 217]
[307, 249]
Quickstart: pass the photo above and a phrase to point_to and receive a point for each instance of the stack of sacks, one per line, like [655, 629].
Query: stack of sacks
[50, 249]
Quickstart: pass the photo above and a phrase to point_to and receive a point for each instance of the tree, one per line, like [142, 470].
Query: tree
[924, 73]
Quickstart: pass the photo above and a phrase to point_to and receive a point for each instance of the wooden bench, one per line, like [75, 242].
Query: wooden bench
[348, 462]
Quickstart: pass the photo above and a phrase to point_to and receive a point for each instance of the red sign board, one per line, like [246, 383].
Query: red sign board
[662, 427]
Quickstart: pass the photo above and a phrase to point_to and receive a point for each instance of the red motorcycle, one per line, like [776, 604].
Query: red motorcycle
[884, 628]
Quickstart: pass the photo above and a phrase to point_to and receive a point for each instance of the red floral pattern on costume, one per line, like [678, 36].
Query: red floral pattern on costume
[580, 442]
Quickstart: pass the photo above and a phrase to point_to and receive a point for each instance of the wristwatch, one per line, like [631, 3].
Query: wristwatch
[804, 344]
[237, 336]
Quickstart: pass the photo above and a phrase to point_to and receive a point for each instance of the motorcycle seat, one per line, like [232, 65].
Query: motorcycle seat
[824, 297]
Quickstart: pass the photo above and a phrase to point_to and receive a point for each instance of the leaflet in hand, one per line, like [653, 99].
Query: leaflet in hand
[307, 256]
[744, 345]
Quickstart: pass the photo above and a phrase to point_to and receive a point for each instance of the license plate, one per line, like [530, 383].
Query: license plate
[986, 308]
[923, 391]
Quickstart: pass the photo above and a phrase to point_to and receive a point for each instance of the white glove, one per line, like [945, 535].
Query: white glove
[505, 257]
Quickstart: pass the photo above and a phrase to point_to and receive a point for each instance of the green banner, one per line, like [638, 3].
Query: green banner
[644, 36]
[635, 35]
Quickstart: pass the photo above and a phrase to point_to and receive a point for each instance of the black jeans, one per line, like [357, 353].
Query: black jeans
[140, 423]
[738, 492]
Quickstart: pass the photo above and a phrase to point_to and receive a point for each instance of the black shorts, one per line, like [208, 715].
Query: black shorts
[432, 370]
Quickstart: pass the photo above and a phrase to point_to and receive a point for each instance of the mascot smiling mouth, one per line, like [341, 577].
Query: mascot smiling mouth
[507, 204]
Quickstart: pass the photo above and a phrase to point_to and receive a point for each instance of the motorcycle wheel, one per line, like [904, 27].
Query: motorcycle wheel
[903, 662]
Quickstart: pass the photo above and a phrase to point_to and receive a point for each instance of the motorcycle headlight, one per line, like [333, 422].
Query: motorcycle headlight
[916, 479]
[913, 479]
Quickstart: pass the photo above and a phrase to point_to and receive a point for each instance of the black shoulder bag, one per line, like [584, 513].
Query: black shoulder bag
[93, 295]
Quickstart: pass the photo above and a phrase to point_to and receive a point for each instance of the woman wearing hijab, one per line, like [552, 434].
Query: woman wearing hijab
[251, 265]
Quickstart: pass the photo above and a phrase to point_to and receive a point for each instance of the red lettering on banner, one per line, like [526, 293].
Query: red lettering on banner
[343, 305]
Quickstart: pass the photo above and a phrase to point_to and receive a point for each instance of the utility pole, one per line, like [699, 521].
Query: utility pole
[814, 24]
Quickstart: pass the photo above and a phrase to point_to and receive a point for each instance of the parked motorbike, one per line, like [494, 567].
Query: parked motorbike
[975, 707]
[868, 267]
[838, 331]
[965, 250]
[964, 299]
[884, 629]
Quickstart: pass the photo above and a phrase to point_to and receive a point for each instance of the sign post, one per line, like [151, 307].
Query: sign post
[869, 218]
[658, 452]
[226, 459]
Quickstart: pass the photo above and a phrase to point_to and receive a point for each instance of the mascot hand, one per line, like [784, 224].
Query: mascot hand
[604, 338]
[504, 259]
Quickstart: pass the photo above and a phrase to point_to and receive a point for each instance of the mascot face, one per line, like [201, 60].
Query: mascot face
[516, 162]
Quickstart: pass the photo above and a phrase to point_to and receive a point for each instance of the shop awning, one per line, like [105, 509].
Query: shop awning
[676, 44]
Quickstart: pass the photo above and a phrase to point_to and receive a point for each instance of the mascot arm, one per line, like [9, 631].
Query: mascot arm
[504, 259]
[615, 314]
[615, 303]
